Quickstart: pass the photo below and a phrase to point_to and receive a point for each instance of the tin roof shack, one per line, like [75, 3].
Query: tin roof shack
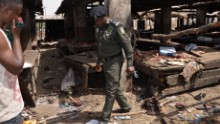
[31, 7]
[167, 72]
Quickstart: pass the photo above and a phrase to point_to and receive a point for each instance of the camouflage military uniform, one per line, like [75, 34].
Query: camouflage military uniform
[111, 40]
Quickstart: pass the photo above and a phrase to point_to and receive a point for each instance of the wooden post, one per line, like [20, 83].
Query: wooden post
[166, 20]
[26, 31]
[85, 77]
[120, 10]
[165, 38]
[200, 16]
[80, 22]
[157, 23]
[69, 24]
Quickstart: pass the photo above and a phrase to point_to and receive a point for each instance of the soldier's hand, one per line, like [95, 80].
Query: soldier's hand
[130, 70]
[98, 68]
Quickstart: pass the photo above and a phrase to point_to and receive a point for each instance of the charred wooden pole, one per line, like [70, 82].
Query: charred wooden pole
[218, 15]
[157, 23]
[26, 34]
[80, 22]
[200, 16]
[162, 22]
[168, 37]
[166, 20]
[68, 24]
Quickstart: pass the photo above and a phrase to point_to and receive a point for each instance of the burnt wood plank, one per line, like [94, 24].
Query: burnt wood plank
[173, 80]
[167, 37]
[211, 59]
[198, 84]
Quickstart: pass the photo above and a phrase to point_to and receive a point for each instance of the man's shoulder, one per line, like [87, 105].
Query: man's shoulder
[115, 23]
[3, 39]
[2, 36]
[118, 26]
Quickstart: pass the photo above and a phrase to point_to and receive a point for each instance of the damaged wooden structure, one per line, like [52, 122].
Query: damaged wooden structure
[28, 34]
[27, 79]
[47, 31]
[192, 12]
[81, 26]
[167, 78]
[84, 63]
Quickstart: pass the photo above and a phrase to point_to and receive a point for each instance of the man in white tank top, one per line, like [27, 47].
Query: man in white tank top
[11, 64]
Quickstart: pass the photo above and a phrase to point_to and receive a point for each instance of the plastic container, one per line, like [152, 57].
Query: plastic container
[167, 51]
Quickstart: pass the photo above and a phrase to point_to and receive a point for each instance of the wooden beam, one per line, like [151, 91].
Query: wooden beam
[166, 19]
[200, 16]
[167, 37]
[143, 5]
[154, 41]
[80, 23]
[189, 86]
[173, 80]
[61, 116]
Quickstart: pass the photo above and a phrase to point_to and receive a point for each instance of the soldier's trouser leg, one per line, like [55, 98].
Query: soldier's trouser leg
[120, 98]
[109, 100]
[112, 71]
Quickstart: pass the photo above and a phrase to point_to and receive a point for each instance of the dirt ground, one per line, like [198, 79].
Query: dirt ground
[51, 71]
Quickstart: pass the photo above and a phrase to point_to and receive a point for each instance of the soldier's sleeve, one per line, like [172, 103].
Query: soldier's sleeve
[99, 60]
[124, 40]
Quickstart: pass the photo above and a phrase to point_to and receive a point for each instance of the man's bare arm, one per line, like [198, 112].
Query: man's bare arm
[12, 59]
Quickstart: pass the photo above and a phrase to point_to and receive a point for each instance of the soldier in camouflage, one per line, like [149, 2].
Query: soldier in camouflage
[111, 39]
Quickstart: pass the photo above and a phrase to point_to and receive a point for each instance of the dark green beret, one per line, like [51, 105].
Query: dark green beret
[98, 12]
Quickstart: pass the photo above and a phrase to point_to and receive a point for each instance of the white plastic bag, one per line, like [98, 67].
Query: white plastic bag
[68, 80]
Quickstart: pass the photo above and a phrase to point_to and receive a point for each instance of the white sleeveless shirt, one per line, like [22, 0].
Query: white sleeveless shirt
[11, 102]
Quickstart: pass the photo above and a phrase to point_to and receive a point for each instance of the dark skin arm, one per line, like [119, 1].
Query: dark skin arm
[12, 59]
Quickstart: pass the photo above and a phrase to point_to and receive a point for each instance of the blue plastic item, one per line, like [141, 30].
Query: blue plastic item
[136, 74]
[167, 51]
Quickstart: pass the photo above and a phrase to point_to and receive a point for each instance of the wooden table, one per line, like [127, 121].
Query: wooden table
[27, 77]
[170, 74]
[31, 59]
[85, 62]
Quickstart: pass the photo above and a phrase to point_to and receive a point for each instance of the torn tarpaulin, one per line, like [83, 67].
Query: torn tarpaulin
[190, 47]
[192, 69]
